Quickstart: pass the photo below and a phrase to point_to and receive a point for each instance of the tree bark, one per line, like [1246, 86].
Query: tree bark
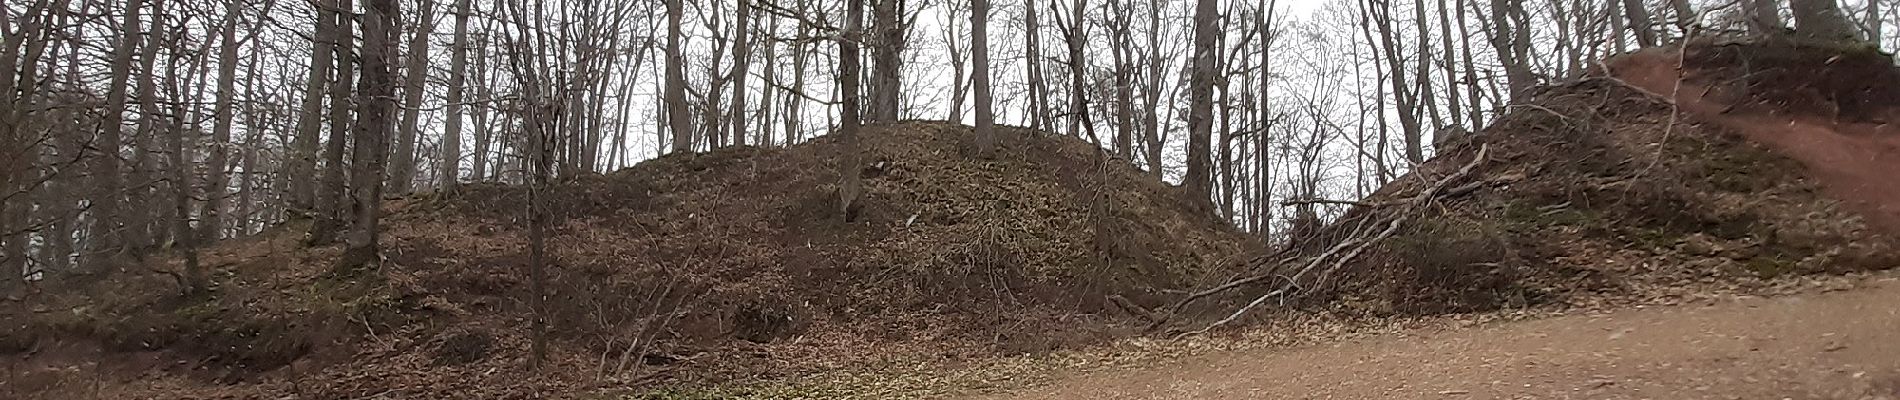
[960, 82]
[1874, 20]
[1822, 20]
[1078, 70]
[402, 168]
[1511, 39]
[1404, 96]
[1032, 69]
[980, 67]
[851, 182]
[1119, 43]
[741, 64]
[887, 51]
[376, 107]
[1470, 69]
[215, 187]
[1200, 103]
[108, 232]
[302, 159]
[332, 207]
[1151, 94]
[676, 83]
[1639, 23]
[451, 159]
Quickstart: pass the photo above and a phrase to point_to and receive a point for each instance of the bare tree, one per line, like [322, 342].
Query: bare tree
[1201, 103]
[1074, 28]
[960, 83]
[1874, 20]
[108, 188]
[376, 109]
[1512, 40]
[1121, 49]
[1032, 69]
[887, 47]
[303, 152]
[1404, 95]
[1639, 22]
[741, 64]
[451, 158]
[1152, 139]
[980, 68]
[1823, 20]
[331, 204]
[402, 168]
[851, 180]
[675, 99]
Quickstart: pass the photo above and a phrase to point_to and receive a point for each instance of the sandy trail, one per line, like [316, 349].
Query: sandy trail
[1840, 345]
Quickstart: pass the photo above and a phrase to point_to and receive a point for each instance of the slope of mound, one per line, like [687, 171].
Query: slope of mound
[725, 265]
[1611, 190]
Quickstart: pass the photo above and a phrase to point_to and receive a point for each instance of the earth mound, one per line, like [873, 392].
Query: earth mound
[1665, 178]
[724, 265]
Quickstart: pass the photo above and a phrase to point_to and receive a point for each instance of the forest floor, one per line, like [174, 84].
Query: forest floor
[1832, 345]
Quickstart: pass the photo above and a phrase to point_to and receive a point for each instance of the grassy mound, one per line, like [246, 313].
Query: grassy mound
[695, 267]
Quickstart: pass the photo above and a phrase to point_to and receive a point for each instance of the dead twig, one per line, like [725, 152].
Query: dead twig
[1352, 247]
[1297, 202]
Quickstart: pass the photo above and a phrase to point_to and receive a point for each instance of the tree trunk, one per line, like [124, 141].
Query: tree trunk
[14, 211]
[1032, 69]
[302, 159]
[1405, 96]
[215, 187]
[980, 67]
[851, 183]
[108, 232]
[180, 181]
[772, 78]
[1511, 39]
[676, 82]
[1454, 105]
[1471, 71]
[142, 226]
[478, 169]
[1639, 22]
[887, 49]
[377, 92]
[1078, 70]
[402, 168]
[331, 205]
[1685, 15]
[741, 62]
[1200, 103]
[1263, 140]
[1822, 20]
[1124, 85]
[1151, 94]
[451, 159]
[1874, 21]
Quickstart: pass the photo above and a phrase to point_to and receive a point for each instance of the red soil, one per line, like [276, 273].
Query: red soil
[1854, 157]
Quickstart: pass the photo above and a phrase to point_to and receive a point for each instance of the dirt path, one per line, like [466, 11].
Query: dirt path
[1853, 161]
[1840, 345]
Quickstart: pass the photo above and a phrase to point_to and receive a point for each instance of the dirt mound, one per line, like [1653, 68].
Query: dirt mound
[1610, 190]
[717, 266]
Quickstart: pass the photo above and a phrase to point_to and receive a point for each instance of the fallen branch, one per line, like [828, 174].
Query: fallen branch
[1133, 308]
[1290, 203]
[1352, 247]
